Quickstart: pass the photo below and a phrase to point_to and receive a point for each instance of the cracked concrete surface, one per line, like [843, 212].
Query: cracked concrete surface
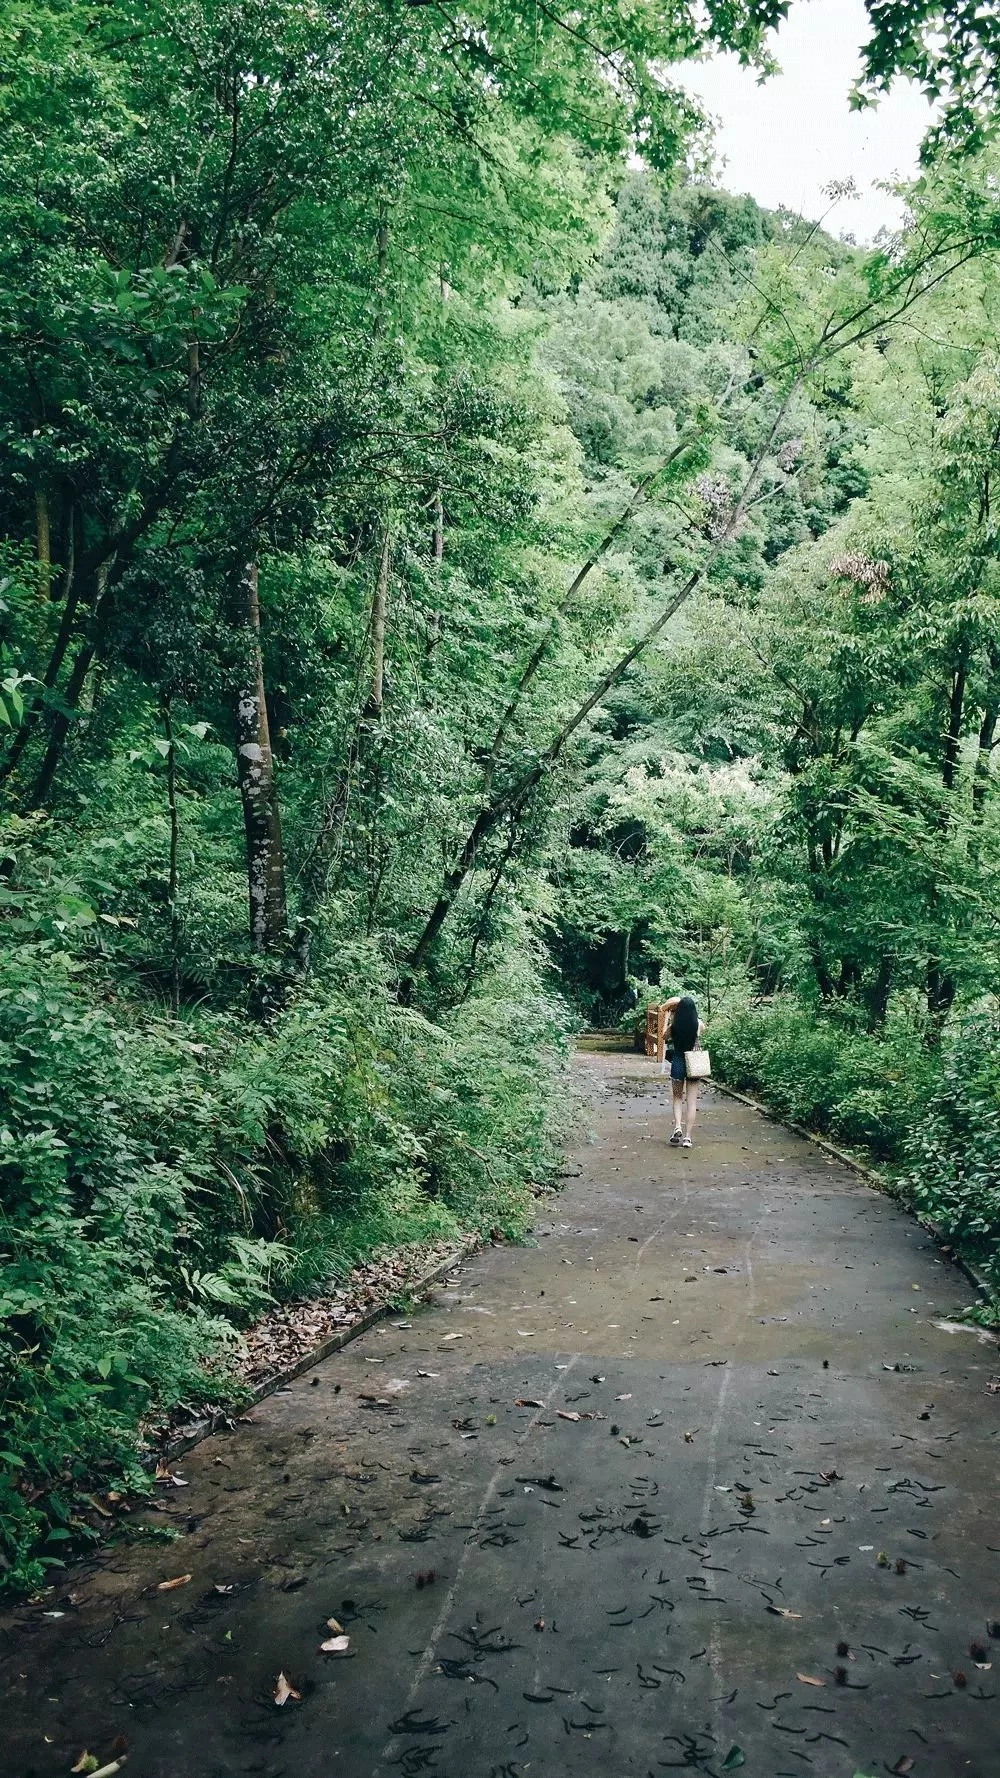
[649, 1590]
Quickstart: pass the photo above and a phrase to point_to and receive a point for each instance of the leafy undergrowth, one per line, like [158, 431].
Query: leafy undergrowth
[166, 1183]
[931, 1116]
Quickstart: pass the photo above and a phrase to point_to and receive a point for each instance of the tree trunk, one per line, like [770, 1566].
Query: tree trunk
[941, 986]
[824, 980]
[316, 870]
[172, 878]
[876, 994]
[953, 735]
[61, 722]
[373, 707]
[72, 588]
[940, 998]
[486, 910]
[258, 792]
[44, 541]
[984, 757]
[194, 379]
[850, 975]
[437, 547]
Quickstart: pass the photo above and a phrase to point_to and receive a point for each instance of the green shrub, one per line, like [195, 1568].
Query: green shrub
[825, 1072]
[951, 1155]
[932, 1116]
[161, 1180]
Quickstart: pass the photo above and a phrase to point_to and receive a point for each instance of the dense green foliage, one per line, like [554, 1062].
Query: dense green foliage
[933, 1116]
[363, 427]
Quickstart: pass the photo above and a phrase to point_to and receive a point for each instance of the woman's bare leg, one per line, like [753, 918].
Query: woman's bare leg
[677, 1089]
[692, 1107]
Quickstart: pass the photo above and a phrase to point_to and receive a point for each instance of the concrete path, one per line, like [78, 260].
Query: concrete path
[779, 1451]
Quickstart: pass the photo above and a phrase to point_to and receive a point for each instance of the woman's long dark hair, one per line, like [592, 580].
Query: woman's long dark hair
[684, 1030]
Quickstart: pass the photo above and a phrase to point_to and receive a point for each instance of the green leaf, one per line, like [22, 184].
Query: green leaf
[734, 1759]
[104, 1365]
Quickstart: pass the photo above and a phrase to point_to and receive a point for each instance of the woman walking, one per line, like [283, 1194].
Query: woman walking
[684, 1030]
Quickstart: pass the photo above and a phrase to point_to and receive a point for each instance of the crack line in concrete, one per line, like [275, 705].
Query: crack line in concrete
[429, 1655]
[708, 1502]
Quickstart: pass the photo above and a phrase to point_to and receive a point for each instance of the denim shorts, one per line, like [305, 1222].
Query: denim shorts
[678, 1067]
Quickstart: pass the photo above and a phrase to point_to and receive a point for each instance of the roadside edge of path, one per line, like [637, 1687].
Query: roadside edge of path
[185, 1440]
[873, 1178]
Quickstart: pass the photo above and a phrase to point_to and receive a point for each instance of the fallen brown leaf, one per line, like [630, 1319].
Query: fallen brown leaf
[807, 1679]
[562, 1414]
[783, 1611]
[283, 1690]
[528, 1401]
[179, 1580]
[332, 1624]
[334, 1645]
[165, 1474]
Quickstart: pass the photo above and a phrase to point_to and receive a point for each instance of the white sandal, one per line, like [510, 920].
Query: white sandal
[686, 1142]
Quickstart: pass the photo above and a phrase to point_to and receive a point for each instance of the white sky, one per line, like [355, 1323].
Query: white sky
[783, 141]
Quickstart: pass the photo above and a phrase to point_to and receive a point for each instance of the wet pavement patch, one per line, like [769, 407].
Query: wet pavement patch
[704, 1486]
